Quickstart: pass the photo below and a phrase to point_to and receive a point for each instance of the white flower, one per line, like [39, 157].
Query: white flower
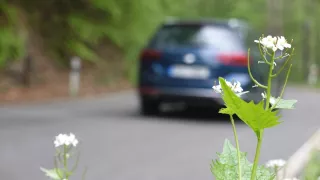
[272, 99]
[64, 139]
[274, 43]
[235, 87]
[72, 139]
[291, 179]
[276, 163]
[217, 88]
[282, 43]
[60, 139]
[268, 42]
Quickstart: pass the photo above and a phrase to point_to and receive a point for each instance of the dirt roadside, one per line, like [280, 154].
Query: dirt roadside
[58, 88]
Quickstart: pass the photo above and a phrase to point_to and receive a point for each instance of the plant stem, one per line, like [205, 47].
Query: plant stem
[285, 63]
[263, 56]
[276, 170]
[251, 76]
[283, 88]
[65, 164]
[237, 146]
[257, 155]
[260, 133]
[269, 82]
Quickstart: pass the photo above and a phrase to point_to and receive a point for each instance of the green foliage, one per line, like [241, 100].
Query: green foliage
[12, 45]
[258, 118]
[226, 111]
[78, 27]
[53, 174]
[246, 8]
[225, 168]
[285, 104]
[312, 170]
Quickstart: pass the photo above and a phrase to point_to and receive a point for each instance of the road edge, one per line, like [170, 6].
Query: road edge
[300, 158]
[69, 99]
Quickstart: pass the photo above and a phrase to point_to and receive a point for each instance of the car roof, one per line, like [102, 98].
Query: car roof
[231, 22]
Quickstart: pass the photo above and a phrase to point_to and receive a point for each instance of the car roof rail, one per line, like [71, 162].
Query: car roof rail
[171, 20]
[234, 23]
[175, 20]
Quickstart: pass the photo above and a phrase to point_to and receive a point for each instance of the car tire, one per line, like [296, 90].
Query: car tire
[149, 107]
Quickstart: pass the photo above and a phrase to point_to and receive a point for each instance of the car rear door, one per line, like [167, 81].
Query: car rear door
[192, 55]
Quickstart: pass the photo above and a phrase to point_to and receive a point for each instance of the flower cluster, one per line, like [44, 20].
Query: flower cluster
[276, 163]
[65, 139]
[272, 99]
[235, 87]
[274, 43]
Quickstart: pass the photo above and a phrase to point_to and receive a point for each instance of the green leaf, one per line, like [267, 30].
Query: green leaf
[226, 167]
[264, 173]
[254, 115]
[226, 111]
[242, 93]
[285, 104]
[52, 173]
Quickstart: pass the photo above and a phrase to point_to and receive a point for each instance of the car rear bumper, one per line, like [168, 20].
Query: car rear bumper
[190, 96]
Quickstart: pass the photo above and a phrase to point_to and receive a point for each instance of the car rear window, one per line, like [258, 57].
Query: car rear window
[218, 37]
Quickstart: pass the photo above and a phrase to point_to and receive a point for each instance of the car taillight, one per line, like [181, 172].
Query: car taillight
[150, 54]
[234, 59]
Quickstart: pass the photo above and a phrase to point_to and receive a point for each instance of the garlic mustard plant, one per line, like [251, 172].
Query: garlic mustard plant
[64, 139]
[235, 87]
[276, 165]
[232, 164]
[65, 149]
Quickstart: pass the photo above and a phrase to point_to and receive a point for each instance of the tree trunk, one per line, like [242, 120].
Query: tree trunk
[275, 28]
[275, 17]
[26, 71]
[308, 36]
[305, 49]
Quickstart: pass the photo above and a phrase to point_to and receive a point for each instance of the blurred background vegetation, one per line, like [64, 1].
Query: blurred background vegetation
[113, 31]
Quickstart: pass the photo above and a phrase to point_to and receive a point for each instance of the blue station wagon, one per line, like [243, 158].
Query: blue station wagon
[184, 59]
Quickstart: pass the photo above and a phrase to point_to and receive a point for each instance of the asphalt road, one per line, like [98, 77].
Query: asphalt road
[119, 144]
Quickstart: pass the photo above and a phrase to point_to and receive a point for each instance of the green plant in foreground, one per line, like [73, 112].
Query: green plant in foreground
[312, 170]
[232, 164]
[65, 149]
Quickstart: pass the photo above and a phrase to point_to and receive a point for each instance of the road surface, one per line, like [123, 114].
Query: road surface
[119, 144]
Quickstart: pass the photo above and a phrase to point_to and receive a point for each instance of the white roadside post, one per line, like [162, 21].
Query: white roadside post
[74, 78]
[313, 74]
[300, 158]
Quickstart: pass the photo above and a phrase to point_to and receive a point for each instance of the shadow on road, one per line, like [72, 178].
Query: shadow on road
[193, 115]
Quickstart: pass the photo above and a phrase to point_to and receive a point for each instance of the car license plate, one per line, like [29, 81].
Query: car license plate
[189, 72]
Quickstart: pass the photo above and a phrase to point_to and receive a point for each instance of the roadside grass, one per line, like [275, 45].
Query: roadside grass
[302, 84]
[312, 169]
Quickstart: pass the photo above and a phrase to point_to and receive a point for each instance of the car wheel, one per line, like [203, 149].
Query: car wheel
[149, 107]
